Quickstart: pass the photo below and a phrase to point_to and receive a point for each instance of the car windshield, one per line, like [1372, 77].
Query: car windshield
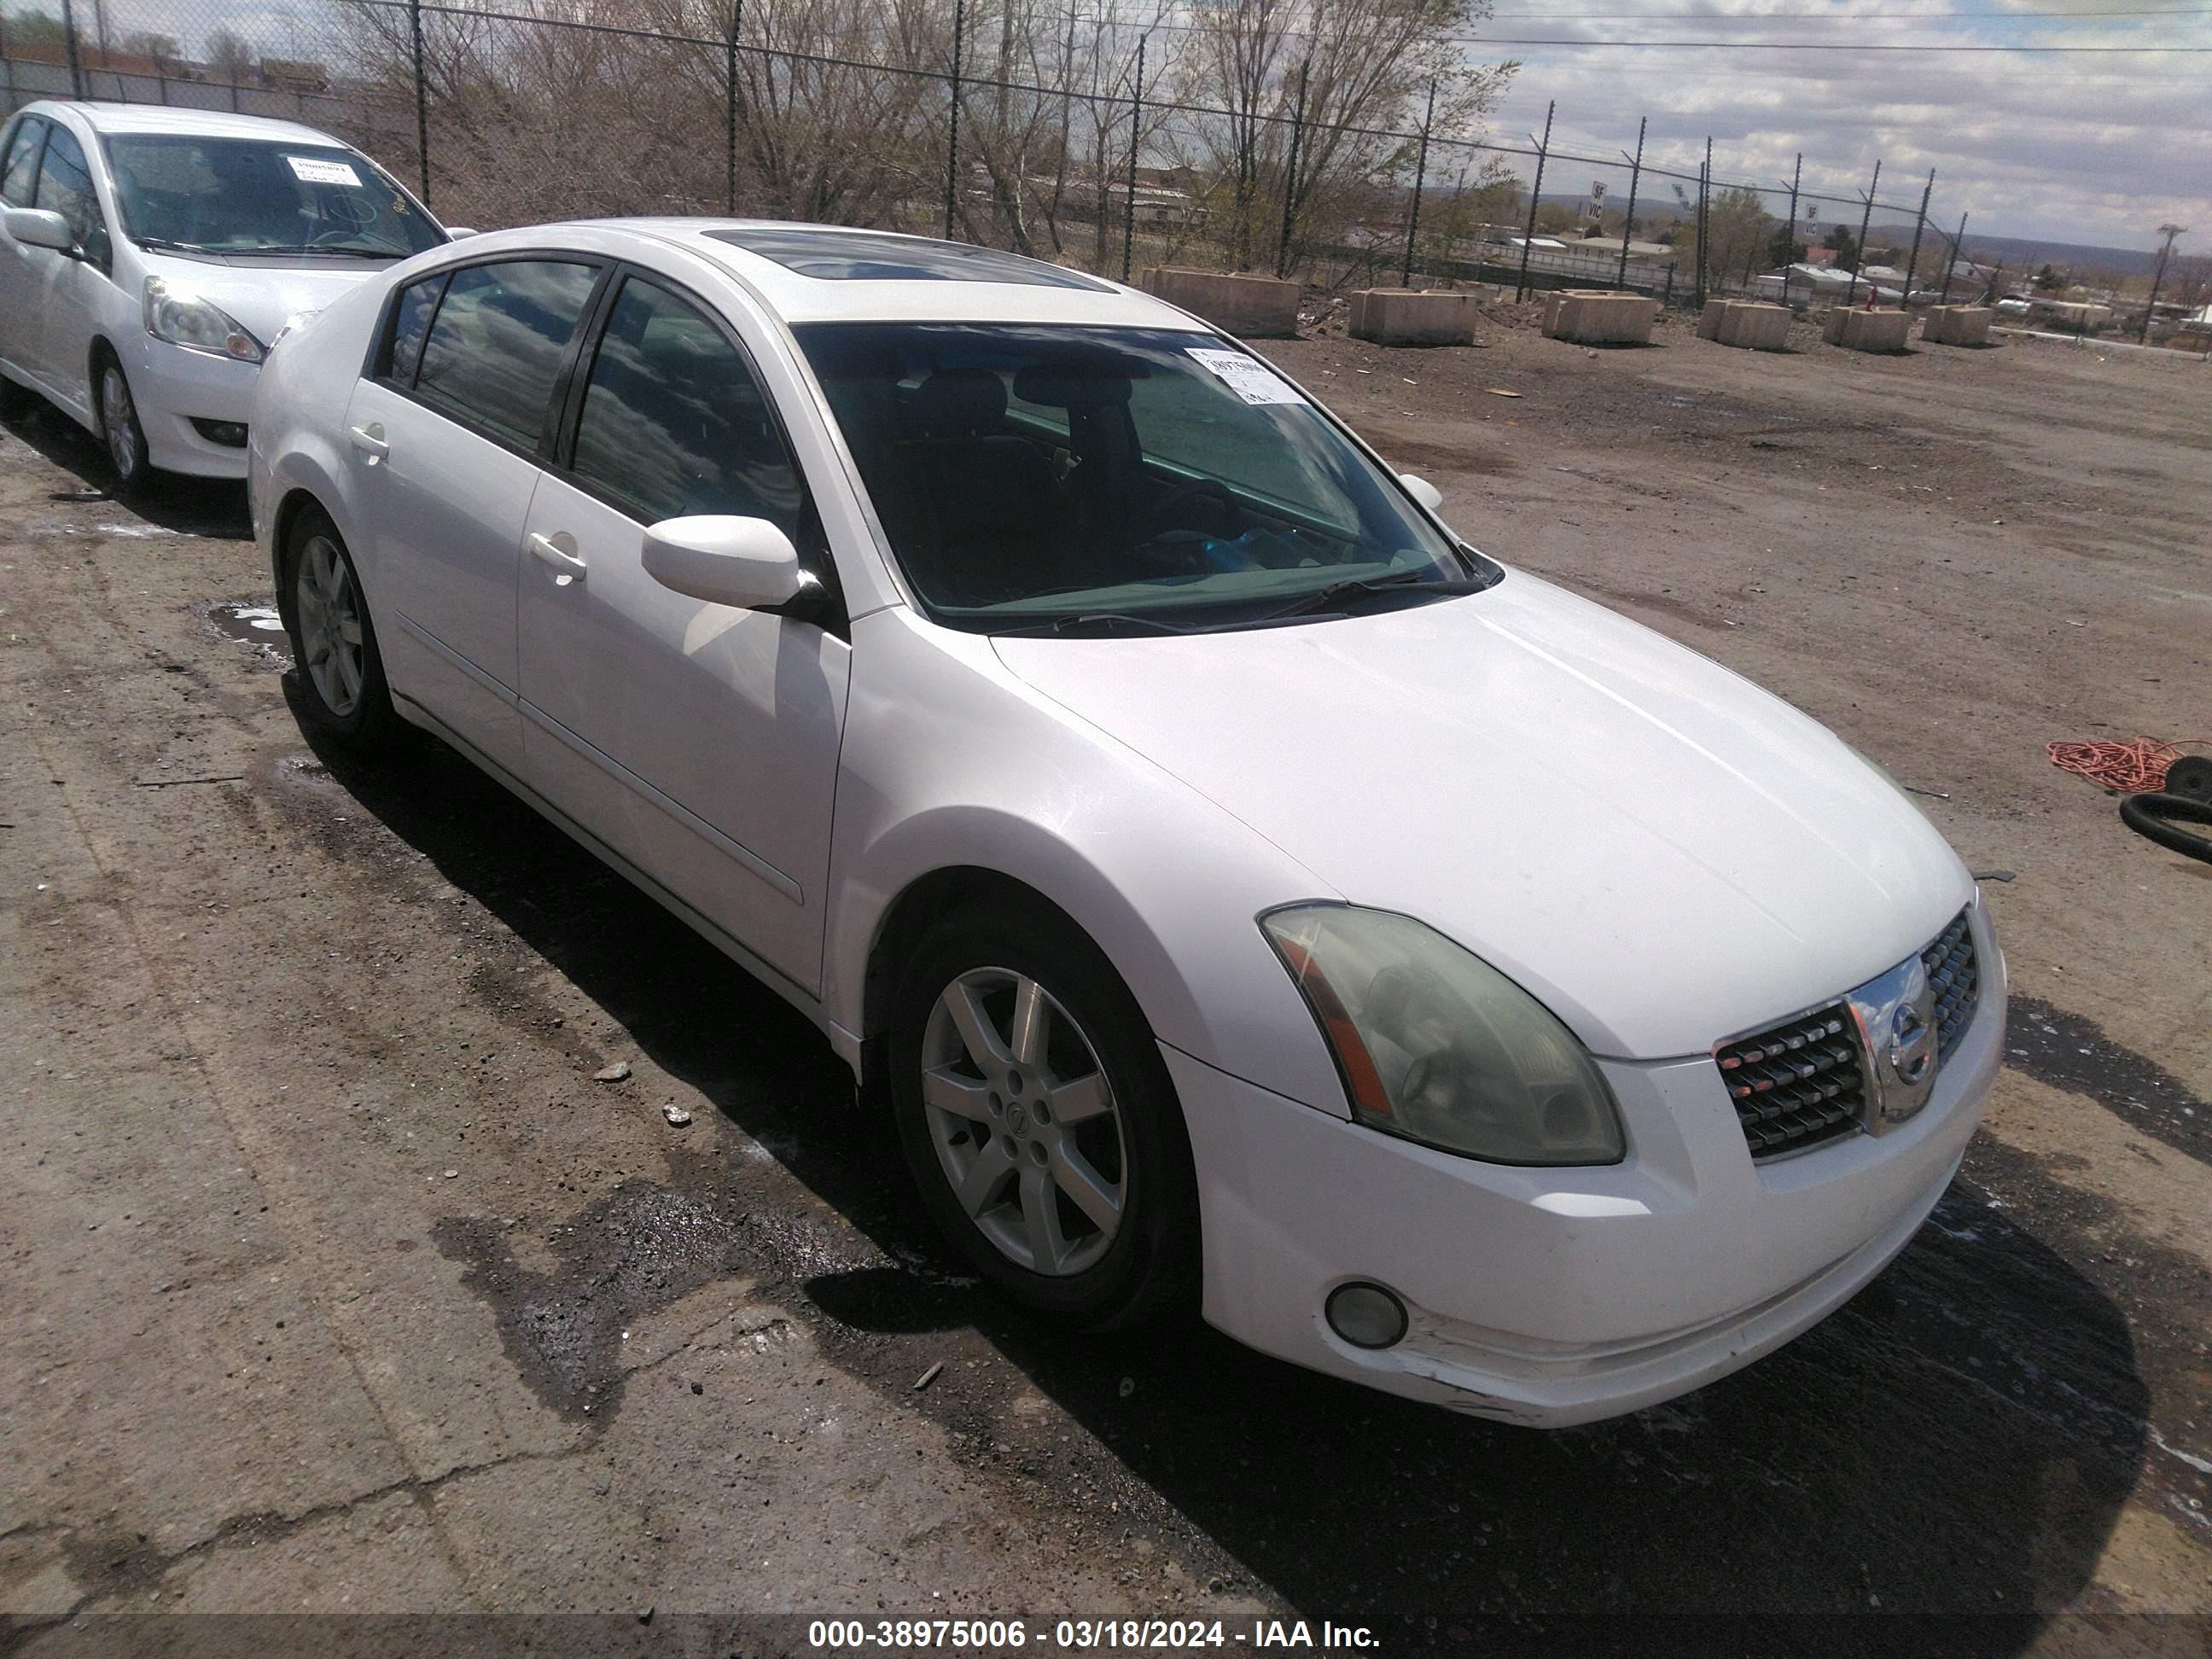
[249, 196]
[1037, 477]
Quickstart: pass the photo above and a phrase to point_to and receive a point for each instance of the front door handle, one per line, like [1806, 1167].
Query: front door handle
[369, 439]
[550, 551]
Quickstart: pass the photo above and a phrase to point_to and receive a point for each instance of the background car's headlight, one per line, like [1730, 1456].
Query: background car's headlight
[185, 319]
[1436, 1045]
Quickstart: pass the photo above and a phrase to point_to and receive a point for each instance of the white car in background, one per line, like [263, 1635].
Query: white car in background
[150, 255]
[1237, 887]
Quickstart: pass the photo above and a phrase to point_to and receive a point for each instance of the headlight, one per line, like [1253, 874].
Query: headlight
[183, 318]
[1438, 1046]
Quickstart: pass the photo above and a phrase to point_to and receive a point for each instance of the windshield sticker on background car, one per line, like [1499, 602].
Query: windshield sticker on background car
[1248, 377]
[311, 171]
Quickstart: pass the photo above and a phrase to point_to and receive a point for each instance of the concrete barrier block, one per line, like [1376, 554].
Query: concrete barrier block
[1959, 325]
[1398, 316]
[1247, 306]
[1599, 317]
[1866, 331]
[1756, 326]
[1709, 320]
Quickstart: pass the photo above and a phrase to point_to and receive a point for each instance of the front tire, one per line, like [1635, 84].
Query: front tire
[343, 694]
[121, 431]
[1039, 1122]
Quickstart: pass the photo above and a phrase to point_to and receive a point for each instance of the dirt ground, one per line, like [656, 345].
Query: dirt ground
[332, 1280]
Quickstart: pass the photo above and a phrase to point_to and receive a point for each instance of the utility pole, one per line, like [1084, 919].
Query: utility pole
[2157, 277]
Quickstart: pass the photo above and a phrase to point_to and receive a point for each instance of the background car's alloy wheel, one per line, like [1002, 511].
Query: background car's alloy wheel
[1039, 1120]
[1024, 1121]
[342, 691]
[119, 425]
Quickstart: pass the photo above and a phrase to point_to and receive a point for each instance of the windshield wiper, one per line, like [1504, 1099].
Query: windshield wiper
[1336, 595]
[338, 250]
[162, 244]
[1103, 620]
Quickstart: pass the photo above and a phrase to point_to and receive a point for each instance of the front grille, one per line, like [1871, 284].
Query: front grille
[1798, 1084]
[1956, 977]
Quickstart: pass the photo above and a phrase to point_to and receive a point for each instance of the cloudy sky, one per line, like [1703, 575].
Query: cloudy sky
[2076, 147]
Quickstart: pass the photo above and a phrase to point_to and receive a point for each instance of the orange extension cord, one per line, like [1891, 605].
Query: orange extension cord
[2133, 769]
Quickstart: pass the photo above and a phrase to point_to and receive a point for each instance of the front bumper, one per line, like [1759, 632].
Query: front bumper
[172, 388]
[1557, 1297]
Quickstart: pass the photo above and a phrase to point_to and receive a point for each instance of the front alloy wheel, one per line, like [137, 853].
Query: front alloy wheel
[126, 439]
[1038, 1119]
[1024, 1123]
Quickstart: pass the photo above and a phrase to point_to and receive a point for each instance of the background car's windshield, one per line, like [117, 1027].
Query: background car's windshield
[248, 195]
[1028, 473]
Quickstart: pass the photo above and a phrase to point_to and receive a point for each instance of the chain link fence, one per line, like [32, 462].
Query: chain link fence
[1000, 122]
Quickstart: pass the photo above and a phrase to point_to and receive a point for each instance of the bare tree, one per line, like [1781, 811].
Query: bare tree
[229, 57]
[1348, 79]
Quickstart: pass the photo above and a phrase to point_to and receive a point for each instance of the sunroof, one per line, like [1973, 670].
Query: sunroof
[859, 256]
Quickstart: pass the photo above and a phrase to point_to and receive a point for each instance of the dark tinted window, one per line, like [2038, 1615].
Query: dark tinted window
[496, 348]
[65, 186]
[411, 326]
[20, 173]
[673, 423]
[873, 255]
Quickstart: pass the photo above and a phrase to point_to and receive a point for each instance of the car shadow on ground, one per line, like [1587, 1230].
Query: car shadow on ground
[210, 508]
[1959, 1440]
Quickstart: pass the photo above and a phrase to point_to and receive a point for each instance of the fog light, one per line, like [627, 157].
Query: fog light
[229, 434]
[1366, 1316]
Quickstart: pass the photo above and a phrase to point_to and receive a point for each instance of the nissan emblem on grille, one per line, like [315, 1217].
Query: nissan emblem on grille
[1868, 1063]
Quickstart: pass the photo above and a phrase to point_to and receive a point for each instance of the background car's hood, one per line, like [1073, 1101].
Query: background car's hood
[1661, 852]
[264, 297]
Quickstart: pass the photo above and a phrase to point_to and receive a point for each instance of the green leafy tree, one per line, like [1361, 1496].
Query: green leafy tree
[1846, 246]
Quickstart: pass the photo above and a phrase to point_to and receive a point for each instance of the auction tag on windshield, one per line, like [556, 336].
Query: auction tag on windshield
[1248, 377]
[310, 170]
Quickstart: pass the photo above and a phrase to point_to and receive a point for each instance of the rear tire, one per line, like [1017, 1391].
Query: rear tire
[121, 431]
[344, 695]
[1039, 1122]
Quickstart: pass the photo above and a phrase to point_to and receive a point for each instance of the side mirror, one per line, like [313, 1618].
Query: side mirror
[745, 563]
[42, 228]
[1423, 491]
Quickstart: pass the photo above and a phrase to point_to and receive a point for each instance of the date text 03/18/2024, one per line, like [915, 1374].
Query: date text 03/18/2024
[997, 1635]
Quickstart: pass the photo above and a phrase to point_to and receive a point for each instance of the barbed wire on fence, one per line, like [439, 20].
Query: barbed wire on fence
[874, 111]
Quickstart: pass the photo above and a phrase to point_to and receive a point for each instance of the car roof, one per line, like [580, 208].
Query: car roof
[196, 123]
[809, 273]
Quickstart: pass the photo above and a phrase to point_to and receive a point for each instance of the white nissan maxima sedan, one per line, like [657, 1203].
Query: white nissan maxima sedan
[1239, 889]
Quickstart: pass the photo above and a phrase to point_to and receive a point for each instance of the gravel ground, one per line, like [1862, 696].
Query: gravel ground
[332, 1279]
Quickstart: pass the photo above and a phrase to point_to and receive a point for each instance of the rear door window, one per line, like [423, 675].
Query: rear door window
[19, 170]
[494, 350]
[673, 423]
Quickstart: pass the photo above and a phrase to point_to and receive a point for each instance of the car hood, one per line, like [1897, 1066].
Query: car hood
[1661, 852]
[265, 296]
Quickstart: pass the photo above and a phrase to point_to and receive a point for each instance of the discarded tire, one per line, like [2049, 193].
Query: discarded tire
[2151, 817]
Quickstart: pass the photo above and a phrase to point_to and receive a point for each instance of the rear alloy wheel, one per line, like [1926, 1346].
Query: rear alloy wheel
[126, 438]
[343, 691]
[1040, 1123]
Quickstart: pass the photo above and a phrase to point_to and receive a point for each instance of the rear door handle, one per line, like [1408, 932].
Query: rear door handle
[369, 439]
[548, 551]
